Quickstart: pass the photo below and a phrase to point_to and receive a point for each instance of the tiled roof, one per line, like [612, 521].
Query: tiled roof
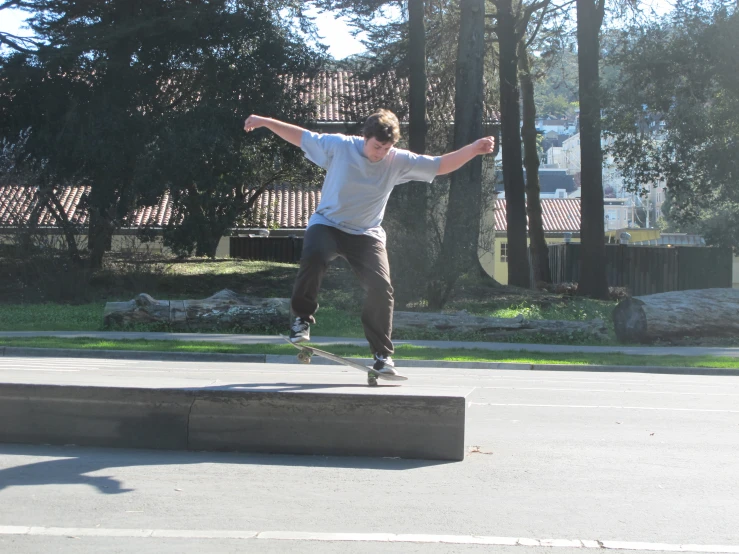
[558, 215]
[281, 206]
[342, 97]
[17, 204]
[285, 207]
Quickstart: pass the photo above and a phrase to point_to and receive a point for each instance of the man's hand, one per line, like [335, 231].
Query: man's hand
[254, 122]
[485, 145]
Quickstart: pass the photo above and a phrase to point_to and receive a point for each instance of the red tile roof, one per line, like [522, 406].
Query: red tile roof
[17, 204]
[282, 206]
[285, 207]
[342, 97]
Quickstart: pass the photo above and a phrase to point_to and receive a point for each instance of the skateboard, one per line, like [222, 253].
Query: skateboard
[306, 352]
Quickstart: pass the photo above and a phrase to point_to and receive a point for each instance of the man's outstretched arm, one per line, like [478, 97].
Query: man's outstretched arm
[454, 160]
[286, 131]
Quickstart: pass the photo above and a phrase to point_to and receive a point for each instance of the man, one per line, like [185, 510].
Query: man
[360, 175]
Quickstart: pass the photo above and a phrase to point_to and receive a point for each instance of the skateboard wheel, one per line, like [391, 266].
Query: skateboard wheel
[304, 357]
[372, 381]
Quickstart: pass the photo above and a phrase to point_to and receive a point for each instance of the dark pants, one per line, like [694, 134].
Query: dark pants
[368, 259]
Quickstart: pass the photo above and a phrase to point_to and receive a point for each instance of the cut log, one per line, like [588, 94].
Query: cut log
[224, 310]
[497, 328]
[678, 314]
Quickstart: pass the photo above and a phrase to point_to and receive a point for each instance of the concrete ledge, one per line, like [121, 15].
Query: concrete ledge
[376, 423]
[94, 416]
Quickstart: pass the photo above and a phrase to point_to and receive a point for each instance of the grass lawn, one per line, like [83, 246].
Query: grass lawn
[63, 301]
[51, 317]
[403, 352]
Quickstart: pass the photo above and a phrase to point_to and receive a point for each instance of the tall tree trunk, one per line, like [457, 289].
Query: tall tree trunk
[99, 238]
[408, 206]
[462, 227]
[510, 116]
[538, 244]
[417, 82]
[592, 230]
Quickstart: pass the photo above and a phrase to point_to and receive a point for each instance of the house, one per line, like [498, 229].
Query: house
[284, 208]
[341, 100]
[614, 185]
[561, 219]
[553, 183]
[553, 126]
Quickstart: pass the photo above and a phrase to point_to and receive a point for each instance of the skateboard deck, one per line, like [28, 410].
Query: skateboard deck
[305, 353]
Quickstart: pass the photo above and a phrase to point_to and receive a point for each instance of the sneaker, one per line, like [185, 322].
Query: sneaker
[384, 364]
[300, 330]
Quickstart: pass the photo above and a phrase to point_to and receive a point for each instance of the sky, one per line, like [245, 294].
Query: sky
[336, 35]
[335, 32]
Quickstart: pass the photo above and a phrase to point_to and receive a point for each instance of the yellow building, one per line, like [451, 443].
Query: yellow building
[561, 219]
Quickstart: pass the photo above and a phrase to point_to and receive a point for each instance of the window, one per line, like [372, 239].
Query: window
[504, 252]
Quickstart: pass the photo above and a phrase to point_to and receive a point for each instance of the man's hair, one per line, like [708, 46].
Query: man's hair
[383, 126]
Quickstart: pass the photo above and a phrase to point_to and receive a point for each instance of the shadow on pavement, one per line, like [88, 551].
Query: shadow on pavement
[74, 465]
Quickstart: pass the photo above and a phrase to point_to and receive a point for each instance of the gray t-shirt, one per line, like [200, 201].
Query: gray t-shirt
[355, 191]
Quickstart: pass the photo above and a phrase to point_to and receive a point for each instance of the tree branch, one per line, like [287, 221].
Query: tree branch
[15, 46]
[538, 24]
[523, 22]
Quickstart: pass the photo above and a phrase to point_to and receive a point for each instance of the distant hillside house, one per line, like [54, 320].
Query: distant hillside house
[553, 183]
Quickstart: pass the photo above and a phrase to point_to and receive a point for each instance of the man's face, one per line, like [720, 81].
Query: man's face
[374, 150]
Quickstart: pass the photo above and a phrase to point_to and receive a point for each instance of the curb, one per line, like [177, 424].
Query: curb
[15, 351]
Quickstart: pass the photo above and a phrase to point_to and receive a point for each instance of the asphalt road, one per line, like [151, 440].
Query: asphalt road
[562, 461]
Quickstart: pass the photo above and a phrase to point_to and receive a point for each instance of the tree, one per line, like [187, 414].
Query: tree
[538, 244]
[26, 45]
[459, 247]
[674, 116]
[397, 49]
[215, 177]
[109, 79]
[592, 230]
[387, 60]
[509, 33]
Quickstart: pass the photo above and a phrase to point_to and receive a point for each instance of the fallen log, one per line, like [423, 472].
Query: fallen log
[495, 328]
[224, 310]
[678, 314]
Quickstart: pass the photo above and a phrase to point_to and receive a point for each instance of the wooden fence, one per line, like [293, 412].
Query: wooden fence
[273, 249]
[649, 269]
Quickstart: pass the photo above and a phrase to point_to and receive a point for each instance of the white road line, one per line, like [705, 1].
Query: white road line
[614, 391]
[362, 537]
[593, 407]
